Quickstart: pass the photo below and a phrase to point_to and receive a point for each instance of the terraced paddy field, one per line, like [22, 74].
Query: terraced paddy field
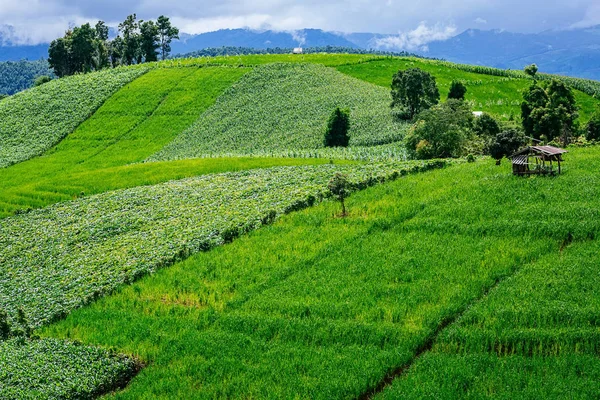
[180, 242]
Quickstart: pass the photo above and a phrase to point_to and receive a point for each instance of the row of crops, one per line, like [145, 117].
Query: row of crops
[33, 121]
[61, 257]
[56, 369]
[283, 107]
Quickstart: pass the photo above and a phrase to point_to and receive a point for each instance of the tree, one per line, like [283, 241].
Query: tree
[486, 126]
[531, 70]
[166, 33]
[58, 56]
[40, 80]
[82, 48]
[149, 41]
[592, 131]
[441, 131]
[549, 110]
[506, 143]
[116, 50]
[338, 125]
[413, 91]
[101, 56]
[340, 189]
[131, 39]
[457, 90]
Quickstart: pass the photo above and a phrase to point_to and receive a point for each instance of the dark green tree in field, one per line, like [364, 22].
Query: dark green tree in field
[338, 126]
[340, 189]
[41, 80]
[549, 110]
[116, 50]
[413, 91]
[167, 33]
[441, 131]
[592, 131]
[486, 126]
[83, 44]
[531, 70]
[506, 143]
[149, 41]
[457, 90]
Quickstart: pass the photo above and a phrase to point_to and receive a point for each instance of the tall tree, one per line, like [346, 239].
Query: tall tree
[338, 125]
[101, 56]
[59, 57]
[413, 91]
[82, 48]
[131, 39]
[115, 50]
[149, 46]
[167, 33]
[457, 90]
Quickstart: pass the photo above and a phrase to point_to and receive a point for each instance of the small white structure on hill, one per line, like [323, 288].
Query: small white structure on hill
[477, 114]
[297, 50]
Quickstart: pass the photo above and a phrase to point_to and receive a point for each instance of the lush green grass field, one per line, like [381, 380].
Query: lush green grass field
[330, 306]
[286, 107]
[497, 95]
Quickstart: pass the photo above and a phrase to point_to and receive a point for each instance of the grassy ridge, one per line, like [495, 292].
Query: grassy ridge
[134, 123]
[497, 95]
[283, 107]
[33, 121]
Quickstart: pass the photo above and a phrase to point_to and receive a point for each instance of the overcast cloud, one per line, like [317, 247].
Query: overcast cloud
[414, 22]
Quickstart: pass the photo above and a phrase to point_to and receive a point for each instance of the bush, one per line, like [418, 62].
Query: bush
[413, 91]
[506, 143]
[457, 91]
[340, 189]
[592, 131]
[338, 125]
[40, 80]
[486, 127]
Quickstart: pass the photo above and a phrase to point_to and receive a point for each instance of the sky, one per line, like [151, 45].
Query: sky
[412, 22]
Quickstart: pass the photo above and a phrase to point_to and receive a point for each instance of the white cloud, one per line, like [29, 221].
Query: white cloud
[592, 17]
[480, 21]
[418, 38]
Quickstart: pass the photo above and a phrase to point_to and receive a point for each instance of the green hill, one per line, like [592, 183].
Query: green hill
[446, 279]
[285, 107]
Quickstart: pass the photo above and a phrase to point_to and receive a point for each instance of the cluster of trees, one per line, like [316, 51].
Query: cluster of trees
[239, 51]
[21, 75]
[87, 48]
[447, 129]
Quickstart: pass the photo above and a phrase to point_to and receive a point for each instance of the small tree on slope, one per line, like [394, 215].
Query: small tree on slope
[337, 129]
[340, 189]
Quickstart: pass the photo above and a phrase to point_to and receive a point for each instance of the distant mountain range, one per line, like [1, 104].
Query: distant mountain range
[574, 52]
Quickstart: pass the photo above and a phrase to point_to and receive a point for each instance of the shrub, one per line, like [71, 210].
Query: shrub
[340, 188]
[506, 143]
[40, 80]
[457, 90]
[592, 131]
[338, 125]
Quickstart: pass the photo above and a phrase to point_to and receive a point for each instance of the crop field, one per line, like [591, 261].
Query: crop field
[500, 96]
[286, 107]
[133, 266]
[329, 307]
[33, 121]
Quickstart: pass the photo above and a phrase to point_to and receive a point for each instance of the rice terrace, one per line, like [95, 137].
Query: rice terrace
[173, 229]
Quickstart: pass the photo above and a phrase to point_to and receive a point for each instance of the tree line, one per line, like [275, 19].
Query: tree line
[88, 48]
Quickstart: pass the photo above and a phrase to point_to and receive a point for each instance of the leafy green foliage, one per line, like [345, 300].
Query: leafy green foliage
[33, 121]
[441, 131]
[486, 126]
[549, 110]
[457, 90]
[55, 369]
[39, 81]
[531, 70]
[593, 127]
[506, 143]
[285, 107]
[336, 134]
[413, 91]
[116, 237]
[21, 75]
[167, 32]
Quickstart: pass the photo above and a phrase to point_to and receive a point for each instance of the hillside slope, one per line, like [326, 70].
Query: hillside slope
[286, 107]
